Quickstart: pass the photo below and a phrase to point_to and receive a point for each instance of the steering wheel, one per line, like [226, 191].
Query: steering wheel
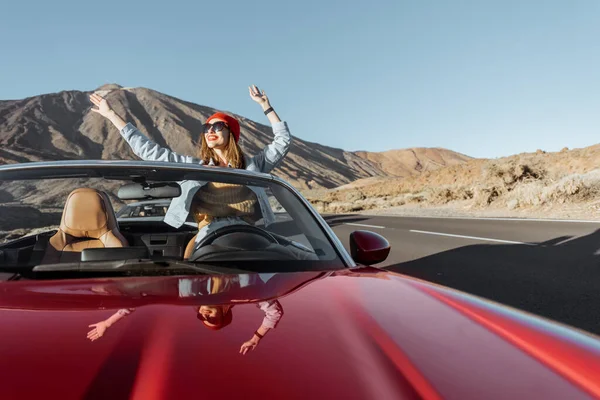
[253, 245]
[226, 230]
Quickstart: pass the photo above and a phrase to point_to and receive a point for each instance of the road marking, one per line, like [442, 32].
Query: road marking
[366, 226]
[581, 221]
[471, 237]
[574, 237]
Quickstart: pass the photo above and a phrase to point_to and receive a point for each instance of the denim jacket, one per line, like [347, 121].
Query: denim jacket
[265, 161]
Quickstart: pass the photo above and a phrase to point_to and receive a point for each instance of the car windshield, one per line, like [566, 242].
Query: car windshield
[89, 217]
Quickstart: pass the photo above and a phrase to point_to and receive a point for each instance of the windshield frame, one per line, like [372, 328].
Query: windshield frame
[153, 170]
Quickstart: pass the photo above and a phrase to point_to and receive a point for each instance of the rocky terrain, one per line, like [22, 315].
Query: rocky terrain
[59, 126]
[563, 184]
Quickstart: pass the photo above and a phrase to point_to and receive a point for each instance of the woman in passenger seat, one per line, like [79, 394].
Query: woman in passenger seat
[223, 202]
[219, 150]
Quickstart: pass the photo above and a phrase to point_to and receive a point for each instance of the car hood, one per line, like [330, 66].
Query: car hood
[347, 334]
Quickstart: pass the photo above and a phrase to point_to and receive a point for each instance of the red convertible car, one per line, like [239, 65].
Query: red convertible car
[95, 308]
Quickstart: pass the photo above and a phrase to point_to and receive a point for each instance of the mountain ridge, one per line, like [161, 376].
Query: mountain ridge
[57, 126]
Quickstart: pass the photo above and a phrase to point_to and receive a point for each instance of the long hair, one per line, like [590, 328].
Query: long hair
[233, 152]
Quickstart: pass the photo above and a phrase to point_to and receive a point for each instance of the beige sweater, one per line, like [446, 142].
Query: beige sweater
[223, 200]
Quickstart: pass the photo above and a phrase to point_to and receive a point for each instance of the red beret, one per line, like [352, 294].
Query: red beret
[223, 321]
[234, 125]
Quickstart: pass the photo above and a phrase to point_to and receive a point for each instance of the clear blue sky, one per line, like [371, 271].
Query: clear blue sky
[486, 78]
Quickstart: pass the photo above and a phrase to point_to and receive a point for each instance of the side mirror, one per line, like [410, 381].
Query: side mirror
[368, 247]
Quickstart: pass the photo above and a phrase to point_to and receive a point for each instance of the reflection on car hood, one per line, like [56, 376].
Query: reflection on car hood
[349, 334]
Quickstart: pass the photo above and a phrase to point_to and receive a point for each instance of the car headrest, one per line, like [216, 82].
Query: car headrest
[88, 214]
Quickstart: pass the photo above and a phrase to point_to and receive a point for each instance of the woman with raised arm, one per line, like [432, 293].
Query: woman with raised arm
[219, 147]
[214, 317]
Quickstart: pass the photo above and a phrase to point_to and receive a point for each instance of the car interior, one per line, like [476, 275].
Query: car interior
[89, 232]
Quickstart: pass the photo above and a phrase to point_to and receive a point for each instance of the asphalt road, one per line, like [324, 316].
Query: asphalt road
[548, 268]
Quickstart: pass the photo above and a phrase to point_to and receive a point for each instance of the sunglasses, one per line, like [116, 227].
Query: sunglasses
[211, 320]
[216, 127]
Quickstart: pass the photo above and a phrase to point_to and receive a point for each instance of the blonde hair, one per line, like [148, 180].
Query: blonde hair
[233, 152]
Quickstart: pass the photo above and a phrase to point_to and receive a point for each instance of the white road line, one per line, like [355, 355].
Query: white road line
[366, 226]
[574, 237]
[582, 221]
[471, 237]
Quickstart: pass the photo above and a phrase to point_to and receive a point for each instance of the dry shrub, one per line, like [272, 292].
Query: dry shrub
[447, 194]
[484, 196]
[415, 198]
[571, 188]
[512, 204]
[441, 195]
[512, 172]
[319, 205]
[354, 195]
[397, 201]
[576, 187]
[529, 194]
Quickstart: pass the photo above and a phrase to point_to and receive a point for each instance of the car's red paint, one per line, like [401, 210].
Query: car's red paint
[368, 248]
[349, 334]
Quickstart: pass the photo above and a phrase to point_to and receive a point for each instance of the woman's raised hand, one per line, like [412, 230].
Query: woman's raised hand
[103, 108]
[259, 97]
